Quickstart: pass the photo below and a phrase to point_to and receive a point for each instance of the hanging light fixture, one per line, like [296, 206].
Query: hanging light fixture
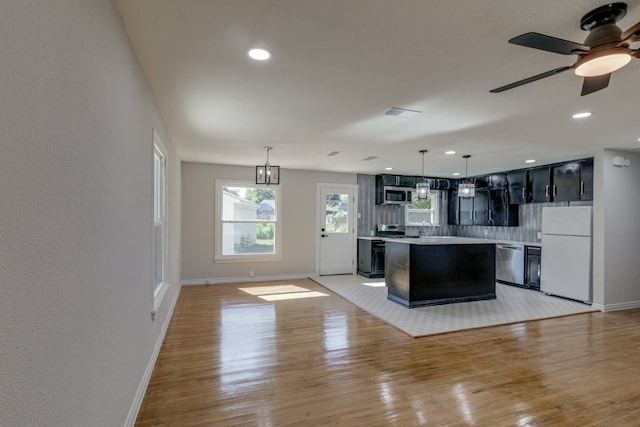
[267, 174]
[467, 188]
[423, 188]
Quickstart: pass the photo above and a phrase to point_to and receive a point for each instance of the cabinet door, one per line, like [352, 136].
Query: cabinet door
[501, 213]
[498, 180]
[481, 207]
[517, 185]
[538, 184]
[566, 182]
[481, 181]
[465, 209]
[386, 179]
[452, 213]
[586, 180]
[405, 181]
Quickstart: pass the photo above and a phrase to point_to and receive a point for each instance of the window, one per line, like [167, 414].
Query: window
[159, 215]
[248, 224]
[422, 211]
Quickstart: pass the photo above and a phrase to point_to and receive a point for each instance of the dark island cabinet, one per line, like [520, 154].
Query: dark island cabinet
[539, 184]
[517, 185]
[501, 213]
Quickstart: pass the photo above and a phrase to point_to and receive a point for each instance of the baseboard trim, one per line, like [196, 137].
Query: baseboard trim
[144, 383]
[617, 306]
[220, 280]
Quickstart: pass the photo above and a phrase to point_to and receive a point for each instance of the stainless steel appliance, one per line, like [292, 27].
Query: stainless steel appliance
[395, 196]
[566, 252]
[510, 264]
[534, 267]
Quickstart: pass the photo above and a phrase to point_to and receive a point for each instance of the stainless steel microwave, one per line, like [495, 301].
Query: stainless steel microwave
[396, 196]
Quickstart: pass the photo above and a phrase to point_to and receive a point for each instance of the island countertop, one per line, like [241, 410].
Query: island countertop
[449, 240]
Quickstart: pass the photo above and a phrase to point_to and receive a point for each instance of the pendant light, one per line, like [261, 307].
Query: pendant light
[466, 189]
[423, 188]
[267, 174]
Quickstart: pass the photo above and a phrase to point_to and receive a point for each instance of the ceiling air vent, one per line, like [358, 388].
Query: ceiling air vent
[334, 153]
[368, 159]
[402, 112]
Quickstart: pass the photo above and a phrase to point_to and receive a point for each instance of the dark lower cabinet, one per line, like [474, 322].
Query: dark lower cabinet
[533, 267]
[371, 258]
[501, 213]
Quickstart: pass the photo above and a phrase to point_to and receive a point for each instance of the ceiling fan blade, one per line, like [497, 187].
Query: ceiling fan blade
[594, 84]
[631, 35]
[550, 44]
[530, 79]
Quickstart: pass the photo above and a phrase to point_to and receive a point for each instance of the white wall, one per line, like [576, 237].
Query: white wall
[76, 120]
[616, 242]
[299, 222]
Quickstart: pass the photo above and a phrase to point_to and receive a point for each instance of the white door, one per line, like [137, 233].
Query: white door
[336, 229]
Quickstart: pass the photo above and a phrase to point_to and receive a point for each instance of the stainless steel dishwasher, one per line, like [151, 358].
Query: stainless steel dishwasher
[510, 264]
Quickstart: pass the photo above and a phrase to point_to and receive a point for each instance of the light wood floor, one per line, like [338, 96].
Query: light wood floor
[231, 358]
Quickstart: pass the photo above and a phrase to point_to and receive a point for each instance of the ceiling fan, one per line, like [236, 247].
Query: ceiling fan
[605, 50]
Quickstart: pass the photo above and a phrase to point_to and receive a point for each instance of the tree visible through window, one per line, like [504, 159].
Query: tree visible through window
[422, 211]
[249, 220]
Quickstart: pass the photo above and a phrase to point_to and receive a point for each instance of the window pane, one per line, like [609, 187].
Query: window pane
[248, 204]
[337, 213]
[248, 238]
[158, 276]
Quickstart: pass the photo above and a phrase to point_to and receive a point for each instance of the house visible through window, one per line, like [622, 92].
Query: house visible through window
[248, 221]
[422, 211]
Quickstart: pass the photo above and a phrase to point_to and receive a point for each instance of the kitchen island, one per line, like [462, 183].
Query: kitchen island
[439, 270]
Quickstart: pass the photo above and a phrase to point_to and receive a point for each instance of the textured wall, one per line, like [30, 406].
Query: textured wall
[76, 119]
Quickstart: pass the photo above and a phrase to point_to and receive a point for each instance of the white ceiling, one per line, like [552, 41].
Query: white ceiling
[338, 65]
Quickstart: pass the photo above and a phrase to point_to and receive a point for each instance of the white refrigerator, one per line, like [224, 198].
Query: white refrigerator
[566, 252]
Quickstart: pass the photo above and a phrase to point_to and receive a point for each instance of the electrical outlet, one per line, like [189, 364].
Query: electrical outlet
[250, 273]
[539, 235]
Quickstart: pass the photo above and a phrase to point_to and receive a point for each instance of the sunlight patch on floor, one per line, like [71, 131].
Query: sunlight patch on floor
[297, 295]
[270, 290]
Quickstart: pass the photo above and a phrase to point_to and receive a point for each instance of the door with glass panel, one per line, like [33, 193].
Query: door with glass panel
[336, 230]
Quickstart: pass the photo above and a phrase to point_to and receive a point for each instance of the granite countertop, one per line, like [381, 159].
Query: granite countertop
[449, 240]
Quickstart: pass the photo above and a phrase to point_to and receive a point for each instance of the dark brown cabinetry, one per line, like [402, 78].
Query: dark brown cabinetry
[566, 182]
[371, 258]
[452, 212]
[481, 207]
[586, 179]
[498, 180]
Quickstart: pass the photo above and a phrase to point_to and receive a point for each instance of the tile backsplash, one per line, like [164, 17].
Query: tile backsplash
[371, 214]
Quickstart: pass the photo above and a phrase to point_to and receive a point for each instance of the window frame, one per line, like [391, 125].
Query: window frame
[159, 218]
[219, 257]
[434, 195]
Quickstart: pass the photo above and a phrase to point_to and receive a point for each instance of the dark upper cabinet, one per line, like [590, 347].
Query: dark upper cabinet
[586, 179]
[404, 181]
[481, 181]
[539, 184]
[441, 184]
[465, 210]
[387, 180]
[566, 182]
[452, 212]
[501, 213]
[481, 207]
[498, 180]
[517, 186]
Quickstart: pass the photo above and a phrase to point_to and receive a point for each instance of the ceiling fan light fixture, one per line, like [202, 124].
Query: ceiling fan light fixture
[604, 62]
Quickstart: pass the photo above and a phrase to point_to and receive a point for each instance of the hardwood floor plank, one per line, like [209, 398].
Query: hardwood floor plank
[231, 358]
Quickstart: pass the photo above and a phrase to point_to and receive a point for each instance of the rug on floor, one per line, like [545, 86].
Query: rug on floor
[512, 305]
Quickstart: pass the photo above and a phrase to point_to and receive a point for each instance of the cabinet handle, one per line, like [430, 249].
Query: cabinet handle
[471, 215]
[581, 187]
[524, 196]
[554, 190]
[546, 191]
[539, 270]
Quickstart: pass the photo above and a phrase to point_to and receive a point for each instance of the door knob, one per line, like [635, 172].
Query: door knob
[324, 235]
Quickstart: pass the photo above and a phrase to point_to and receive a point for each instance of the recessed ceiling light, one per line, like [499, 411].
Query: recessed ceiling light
[450, 152]
[388, 169]
[530, 161]
[581, 115]
[259, 54]
[456, 174]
